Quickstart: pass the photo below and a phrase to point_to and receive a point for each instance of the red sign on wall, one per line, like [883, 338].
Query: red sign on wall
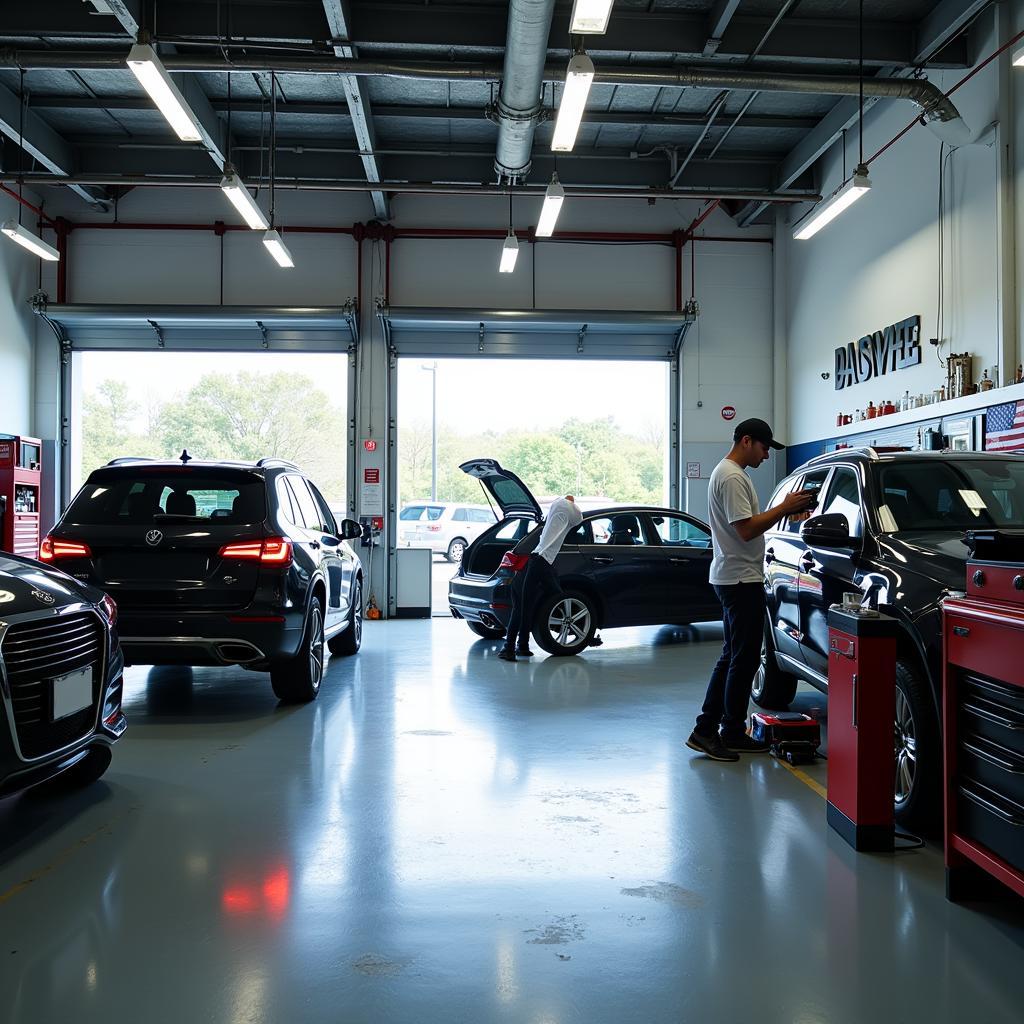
[370, 445]
[371, 476]
[728, 412]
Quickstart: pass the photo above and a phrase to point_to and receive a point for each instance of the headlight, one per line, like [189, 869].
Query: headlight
[108, 609]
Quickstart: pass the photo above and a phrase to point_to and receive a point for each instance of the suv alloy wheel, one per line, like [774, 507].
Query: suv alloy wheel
[297, 680]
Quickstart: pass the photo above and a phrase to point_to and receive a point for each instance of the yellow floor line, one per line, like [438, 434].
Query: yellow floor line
[804, 778]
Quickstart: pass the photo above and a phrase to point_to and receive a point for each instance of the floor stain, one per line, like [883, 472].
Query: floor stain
[376, 966]
[426, 732]
[666, 892]
[594, 826]
[559, 932]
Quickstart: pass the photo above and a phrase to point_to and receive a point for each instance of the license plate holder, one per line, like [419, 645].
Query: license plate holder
[72, 692]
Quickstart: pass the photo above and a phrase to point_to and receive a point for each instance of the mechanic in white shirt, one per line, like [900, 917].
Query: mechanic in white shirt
[539, 577]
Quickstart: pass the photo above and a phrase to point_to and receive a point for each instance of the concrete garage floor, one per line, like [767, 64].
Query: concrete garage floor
[443, 836]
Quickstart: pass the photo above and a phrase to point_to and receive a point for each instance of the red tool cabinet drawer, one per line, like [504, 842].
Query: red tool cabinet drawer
[990, 645]
[994, 582]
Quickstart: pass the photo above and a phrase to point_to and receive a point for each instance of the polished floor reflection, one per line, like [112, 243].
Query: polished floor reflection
[444, 836]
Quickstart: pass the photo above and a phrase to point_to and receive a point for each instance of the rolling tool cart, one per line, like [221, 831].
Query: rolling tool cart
[20, 477]
[983, 695]
[861, 695]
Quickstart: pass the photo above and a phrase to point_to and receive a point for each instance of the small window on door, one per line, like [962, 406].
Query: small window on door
[676, 531]
[811, 482]
[843, 498]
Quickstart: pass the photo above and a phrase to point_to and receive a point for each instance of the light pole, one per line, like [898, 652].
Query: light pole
[432, 369]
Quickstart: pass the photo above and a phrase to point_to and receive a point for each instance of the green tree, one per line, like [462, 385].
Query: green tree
[108, 416]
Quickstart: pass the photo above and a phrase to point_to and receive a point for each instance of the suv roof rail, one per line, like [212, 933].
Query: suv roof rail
[866, 450]
[125, 459]
[276, 462]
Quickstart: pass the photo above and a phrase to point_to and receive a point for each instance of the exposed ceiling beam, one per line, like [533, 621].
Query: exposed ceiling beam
[42, 143]
[935, 32]
[339, 21]
[376, 27]
[127, 13]
[718, 21]
[943, 24]
[327, 108]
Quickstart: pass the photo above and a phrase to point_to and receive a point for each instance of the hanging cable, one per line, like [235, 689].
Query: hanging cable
[860, 76]
[273, 141]
[21, 142]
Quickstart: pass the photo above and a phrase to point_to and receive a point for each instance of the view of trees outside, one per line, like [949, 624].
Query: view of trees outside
[593, 429]
[266, 404]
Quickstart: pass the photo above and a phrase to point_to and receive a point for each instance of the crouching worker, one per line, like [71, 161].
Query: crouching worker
[539, 577]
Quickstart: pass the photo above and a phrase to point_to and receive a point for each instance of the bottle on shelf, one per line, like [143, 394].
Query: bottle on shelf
[985, 384]
[871, 412]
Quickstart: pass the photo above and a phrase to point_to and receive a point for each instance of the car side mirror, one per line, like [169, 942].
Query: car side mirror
[350, 530]
[828, 531]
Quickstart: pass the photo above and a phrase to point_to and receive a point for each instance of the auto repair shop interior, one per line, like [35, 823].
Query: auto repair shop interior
[310, 312]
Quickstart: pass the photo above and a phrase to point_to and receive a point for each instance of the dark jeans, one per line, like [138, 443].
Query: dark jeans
[725, 705]
[538, 580]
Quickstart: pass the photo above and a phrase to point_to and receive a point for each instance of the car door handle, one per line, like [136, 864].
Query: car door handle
[807, 562]
[769, 555]
[680, 561]
[602, 560]
[314, 543]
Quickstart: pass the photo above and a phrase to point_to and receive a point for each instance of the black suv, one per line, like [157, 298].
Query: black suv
[60, 678]
[889, 525]
[217, 563]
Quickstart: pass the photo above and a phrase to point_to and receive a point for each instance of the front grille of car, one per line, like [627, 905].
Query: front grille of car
[37, 651]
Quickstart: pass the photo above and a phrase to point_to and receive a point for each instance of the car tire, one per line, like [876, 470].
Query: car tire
[297, 680]
[78, 776]
[773, 689]
[487, 632]
[918, 752]
[350, 639]
[566, 623]
[456, 550]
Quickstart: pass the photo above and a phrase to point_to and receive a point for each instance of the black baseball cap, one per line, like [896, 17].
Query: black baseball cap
[759, 431]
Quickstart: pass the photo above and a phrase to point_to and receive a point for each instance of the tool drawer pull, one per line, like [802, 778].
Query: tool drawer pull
[1011, 819]
[1013, 767]
[962, 630]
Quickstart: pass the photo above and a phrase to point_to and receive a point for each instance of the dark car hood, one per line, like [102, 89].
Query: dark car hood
[30, 586]
[937, 555]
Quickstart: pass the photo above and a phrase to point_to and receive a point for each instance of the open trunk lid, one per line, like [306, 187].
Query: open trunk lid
[511, 494]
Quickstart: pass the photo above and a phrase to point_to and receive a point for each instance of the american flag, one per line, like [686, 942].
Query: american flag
[1004, 427]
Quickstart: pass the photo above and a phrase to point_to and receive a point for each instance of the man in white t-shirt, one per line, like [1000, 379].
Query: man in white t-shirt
[738, 527]
[538, 577]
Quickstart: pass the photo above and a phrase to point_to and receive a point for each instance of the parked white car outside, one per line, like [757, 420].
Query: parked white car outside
[447, 529]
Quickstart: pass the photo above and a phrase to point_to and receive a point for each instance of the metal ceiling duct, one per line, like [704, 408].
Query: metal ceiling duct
[939, 112]
[519, 99]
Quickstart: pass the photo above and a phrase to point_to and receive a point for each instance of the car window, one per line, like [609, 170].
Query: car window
[843, 498]
[680, 532]
[411, 513]
[155, 496]
[479, 515]
[326, 515]
[434, 512]
[810, 482]
[620, 529]
[514, 529]
[310, 514]
[460, 515]
[962, 494]
[582, 534]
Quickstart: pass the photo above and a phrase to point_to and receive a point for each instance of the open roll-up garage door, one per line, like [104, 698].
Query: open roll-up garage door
[534, 334]
[205, 328]
[181, 329]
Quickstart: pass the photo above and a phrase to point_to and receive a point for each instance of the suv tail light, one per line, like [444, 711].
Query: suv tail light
[269, 551]
[517, 563]
[53, 548]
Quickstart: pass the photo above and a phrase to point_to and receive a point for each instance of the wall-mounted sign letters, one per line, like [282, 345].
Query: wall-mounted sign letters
[894, 348]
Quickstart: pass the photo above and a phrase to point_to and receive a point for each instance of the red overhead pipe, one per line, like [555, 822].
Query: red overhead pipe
[29, 206]
[63, 229]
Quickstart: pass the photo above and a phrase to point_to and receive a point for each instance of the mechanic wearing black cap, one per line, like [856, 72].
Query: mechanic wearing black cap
[737, 574]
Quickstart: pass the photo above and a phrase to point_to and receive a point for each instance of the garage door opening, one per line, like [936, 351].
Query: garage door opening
[596, 429]
[239, 405]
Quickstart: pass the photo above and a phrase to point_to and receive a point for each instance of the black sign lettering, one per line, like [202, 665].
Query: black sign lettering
[893, 348]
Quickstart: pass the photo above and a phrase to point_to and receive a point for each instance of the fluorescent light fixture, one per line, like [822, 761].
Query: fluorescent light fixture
[241, 198]
[846, 195]
[276, 247]
[13, 230]
[153, 77]
[1018, 58]
[578, 79]
[509, 254]
[590, 17]
[554, 196]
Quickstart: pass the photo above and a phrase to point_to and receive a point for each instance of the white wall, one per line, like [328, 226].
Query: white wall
[878, 262]
[19, 277]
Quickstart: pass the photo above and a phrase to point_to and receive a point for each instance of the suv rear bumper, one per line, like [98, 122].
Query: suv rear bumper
[240, 638]
[481, 601]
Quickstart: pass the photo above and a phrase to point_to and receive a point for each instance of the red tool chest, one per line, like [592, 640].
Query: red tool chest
[20, 477]
[983, 695]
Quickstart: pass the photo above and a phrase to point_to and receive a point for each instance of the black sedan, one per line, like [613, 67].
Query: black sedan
[60, 677]
[628, 566]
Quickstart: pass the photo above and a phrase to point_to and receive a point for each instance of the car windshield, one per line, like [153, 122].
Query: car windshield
[161, 495]
[961, 494]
